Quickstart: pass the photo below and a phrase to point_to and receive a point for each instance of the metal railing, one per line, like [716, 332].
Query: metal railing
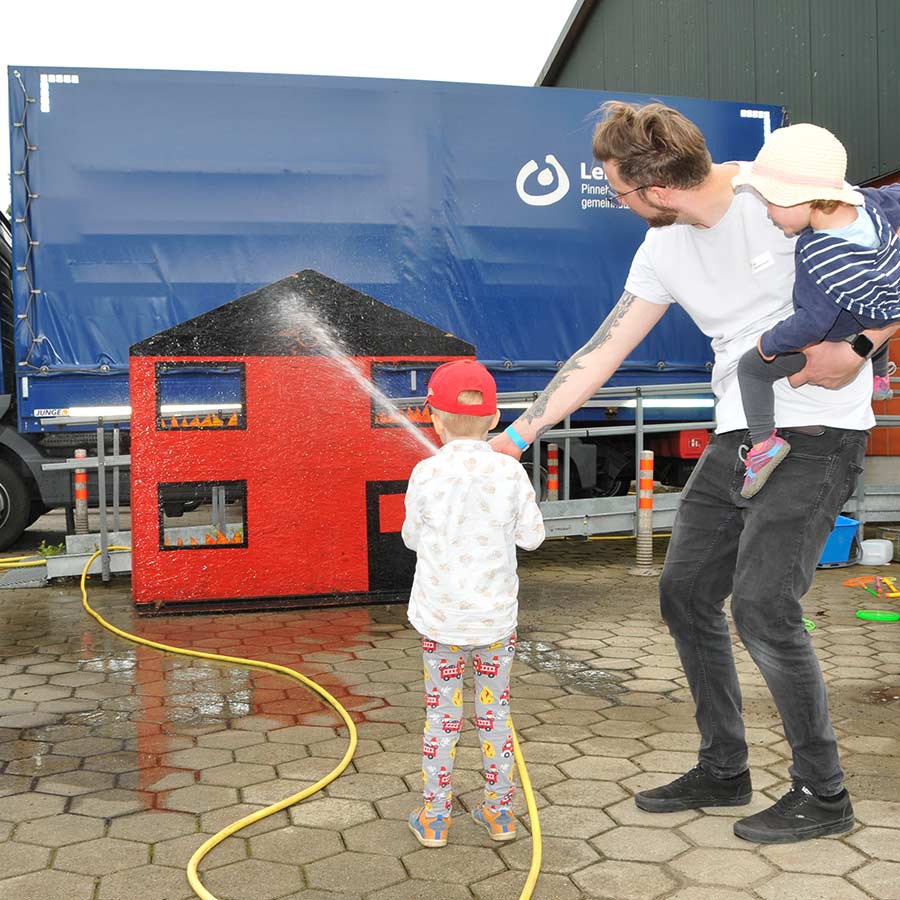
[616, 515]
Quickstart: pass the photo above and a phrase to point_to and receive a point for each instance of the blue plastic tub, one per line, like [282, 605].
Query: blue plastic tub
[840, 542]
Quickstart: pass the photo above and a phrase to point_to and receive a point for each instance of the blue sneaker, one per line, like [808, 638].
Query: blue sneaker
[430, 831]
[761, 461]
[500, 824]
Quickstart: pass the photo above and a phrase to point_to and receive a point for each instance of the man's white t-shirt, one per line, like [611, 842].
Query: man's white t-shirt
[735, 280]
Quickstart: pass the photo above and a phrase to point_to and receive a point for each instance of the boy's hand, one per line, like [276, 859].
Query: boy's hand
[501, 443]
[831, 364]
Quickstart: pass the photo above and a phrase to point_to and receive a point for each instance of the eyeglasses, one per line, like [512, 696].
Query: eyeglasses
[618, 197]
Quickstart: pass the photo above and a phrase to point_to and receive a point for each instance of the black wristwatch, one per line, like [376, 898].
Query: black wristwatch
[861, 345]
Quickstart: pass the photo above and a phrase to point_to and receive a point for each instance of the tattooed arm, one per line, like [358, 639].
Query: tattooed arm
[587, 370]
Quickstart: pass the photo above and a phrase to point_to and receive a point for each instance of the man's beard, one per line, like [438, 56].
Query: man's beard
[664, 216]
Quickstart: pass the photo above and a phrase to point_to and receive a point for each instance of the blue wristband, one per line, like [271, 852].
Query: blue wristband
[516, 438]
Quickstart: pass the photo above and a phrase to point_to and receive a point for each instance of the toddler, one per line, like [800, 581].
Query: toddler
[847, 275]
[467, 508]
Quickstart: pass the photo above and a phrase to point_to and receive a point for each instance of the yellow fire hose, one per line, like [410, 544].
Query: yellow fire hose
[12, 562]
[229, 830]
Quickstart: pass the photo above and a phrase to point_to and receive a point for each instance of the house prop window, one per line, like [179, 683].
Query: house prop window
[401, 379]
[202, 515]
[200, 396]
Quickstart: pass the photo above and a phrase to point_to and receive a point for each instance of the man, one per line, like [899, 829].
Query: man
[716, 253]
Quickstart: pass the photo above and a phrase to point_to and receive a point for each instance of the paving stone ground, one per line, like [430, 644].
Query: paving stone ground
[117, 762]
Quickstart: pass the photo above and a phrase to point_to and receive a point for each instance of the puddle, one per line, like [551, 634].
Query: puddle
[884, 695]
[574, 674]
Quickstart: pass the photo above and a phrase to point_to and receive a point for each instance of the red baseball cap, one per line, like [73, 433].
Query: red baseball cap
[451, 379]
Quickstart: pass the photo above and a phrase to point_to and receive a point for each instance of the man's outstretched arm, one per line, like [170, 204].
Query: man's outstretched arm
[588, 369]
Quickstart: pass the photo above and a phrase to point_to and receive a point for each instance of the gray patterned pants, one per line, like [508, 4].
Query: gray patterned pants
[444, 667]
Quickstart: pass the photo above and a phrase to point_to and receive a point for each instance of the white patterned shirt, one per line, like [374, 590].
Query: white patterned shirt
[467, 508]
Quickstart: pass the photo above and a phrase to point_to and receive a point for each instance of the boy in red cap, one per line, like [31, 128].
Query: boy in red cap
[467, 508]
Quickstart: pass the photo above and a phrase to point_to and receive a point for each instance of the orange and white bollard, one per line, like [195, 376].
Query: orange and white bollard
[81, 496]
[552, 472]
[644, 533]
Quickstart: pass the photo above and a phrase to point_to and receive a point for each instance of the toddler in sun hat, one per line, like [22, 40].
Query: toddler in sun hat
[847, 280]
[467, 509]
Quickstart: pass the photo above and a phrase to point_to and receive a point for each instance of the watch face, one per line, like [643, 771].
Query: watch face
[862, 345]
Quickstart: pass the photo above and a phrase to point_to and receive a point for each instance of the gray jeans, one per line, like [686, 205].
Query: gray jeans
[763, 552]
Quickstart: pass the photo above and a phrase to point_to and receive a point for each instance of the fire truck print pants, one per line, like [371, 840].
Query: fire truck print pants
[444, 668]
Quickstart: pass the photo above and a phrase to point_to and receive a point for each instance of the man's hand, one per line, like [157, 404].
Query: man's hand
[831, 364]
[501, 443]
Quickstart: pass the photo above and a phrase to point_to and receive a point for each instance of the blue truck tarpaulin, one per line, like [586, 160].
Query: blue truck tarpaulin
[160, 195]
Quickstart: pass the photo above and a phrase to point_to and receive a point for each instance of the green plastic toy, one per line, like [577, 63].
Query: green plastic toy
[878, 615]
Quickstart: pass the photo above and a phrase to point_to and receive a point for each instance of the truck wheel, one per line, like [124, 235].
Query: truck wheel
[611, 486]
[35, 512]
[15, 505]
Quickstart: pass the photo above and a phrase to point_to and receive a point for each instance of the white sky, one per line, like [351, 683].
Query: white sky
[488, 41]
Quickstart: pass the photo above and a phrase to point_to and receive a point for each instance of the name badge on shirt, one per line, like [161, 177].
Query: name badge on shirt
[761, 262]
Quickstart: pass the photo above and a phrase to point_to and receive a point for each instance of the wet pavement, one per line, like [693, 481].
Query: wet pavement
[117, 762]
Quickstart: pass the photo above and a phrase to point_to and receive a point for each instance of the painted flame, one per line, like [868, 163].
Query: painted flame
[209, 421]
[416, 415]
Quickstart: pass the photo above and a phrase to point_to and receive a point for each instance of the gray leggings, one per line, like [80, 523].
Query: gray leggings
[756, 377]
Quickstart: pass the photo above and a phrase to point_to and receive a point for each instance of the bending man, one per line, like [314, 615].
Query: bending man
[715, 252]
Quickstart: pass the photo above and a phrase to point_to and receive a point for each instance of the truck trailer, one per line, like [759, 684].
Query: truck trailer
[141, 199]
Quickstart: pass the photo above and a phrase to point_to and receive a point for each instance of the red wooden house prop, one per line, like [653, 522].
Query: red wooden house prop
[261, 470]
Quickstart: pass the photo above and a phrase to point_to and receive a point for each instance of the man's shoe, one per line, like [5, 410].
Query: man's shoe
[696, 789]
[798, 816]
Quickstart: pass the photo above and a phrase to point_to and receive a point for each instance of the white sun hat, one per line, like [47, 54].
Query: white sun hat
[799, 164]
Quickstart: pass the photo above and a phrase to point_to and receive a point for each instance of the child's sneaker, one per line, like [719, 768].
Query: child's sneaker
[881, 389]
[430, 831]
[761, 461]
[499, 824]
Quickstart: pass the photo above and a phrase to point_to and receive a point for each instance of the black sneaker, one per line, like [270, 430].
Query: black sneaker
[798, 816]
[695, 789]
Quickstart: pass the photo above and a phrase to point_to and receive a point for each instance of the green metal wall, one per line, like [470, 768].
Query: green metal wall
[832, 62]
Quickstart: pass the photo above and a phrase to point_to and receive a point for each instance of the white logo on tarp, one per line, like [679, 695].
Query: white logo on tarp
[545, 178]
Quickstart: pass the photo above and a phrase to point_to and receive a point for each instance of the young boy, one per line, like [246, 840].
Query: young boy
[847, 260]
[467, 508]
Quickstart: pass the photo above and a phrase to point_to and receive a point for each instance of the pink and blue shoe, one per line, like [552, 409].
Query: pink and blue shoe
[500, 823]
[761, 461]
[430, 831]
[881, 388]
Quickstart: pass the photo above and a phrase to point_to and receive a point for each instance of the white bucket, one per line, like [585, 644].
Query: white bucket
[876, 552]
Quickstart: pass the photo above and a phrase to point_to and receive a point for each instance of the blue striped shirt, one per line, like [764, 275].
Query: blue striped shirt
[842, 288]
